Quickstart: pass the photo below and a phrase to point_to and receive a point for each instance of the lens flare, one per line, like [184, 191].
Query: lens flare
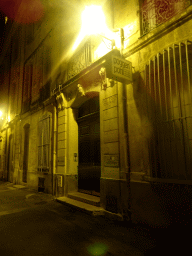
[97, 249]
[23, 11]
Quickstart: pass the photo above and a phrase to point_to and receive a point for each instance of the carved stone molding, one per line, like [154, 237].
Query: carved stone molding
[102, 74]
[80, 90]
[60, 101]
[78, 98]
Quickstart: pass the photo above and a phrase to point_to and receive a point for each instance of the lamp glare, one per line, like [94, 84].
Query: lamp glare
[93, 20]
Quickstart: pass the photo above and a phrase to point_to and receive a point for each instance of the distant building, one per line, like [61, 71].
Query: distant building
[113, 121]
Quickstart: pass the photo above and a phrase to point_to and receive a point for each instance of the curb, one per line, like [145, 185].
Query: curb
[82, 209]
[95, 212]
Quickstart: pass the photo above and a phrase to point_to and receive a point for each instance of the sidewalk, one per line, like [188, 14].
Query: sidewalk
[31, 195]
[64, 219]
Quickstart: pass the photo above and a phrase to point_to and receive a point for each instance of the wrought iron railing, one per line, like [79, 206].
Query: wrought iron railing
[80, 60]
[156, 12]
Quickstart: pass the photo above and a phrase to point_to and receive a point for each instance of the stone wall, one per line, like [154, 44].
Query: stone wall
[151, 202]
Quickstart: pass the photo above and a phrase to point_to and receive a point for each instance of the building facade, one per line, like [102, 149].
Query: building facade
[70, 124]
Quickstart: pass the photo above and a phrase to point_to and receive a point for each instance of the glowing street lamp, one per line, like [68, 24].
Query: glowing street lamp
[3, 117]
[93, 22]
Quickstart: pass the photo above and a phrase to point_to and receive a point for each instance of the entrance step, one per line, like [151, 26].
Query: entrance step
[88, 208]
[85, 198]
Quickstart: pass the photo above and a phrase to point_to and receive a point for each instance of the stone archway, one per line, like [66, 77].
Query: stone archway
[83, 174]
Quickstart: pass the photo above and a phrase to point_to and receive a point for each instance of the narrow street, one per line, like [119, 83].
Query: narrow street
[33, 223]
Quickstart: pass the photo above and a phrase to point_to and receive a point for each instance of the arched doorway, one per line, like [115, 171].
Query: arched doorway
[89, 169]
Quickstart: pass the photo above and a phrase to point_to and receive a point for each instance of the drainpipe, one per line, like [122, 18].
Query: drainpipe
[53, 109]
[126, 148]
[123, 93]
[54, 145]
[121, 32]
[5, 157]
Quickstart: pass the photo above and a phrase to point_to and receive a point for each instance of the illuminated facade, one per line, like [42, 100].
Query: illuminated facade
[111, 122]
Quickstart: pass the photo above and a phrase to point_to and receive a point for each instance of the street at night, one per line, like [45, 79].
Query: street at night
[95, 127]
[33, 223]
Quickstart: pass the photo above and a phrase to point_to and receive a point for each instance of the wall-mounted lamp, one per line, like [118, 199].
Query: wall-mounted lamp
[93, 22]
[1, 115]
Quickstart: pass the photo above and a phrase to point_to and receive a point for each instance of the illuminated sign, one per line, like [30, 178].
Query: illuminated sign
[117, 68]
[121, 69]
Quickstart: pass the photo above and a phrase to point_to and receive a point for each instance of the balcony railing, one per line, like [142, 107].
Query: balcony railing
[156, 12]
[79, 61]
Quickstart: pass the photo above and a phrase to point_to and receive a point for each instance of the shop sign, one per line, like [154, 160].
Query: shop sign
[121, 69]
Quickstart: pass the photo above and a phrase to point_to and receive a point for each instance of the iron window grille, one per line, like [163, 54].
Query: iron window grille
[168, 83]
[157, 12]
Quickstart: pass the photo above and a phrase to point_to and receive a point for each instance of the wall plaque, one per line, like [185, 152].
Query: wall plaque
[60, 160]
[111, 160]
[110, 102]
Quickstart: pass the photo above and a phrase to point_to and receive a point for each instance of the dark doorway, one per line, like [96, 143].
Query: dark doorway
[26, 152]
[89, 170]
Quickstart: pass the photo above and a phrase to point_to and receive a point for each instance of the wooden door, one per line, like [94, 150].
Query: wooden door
[89, 169]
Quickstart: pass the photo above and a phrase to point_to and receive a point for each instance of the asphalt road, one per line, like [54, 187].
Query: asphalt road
[34, 223]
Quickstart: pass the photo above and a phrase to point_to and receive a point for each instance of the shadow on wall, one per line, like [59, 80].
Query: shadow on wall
[163, 100]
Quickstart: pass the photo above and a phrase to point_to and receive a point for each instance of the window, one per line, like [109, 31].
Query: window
[13, 96]
[37, 78]
[15, 45]
[26, 151]
[2, 76]
[27, 87]
[44, 143]
[156, 12]
[31, 30]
